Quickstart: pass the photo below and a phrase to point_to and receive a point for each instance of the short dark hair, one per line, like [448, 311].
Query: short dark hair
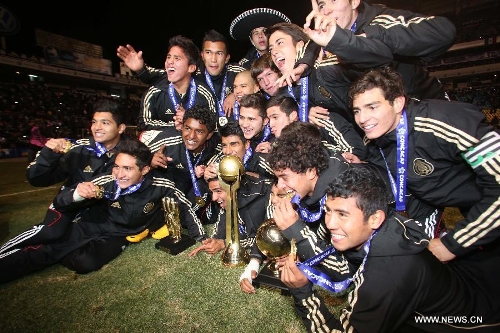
[187, 45]
[203, 114]
[232, 128]
[291, 29]
[255, 101]
[215, 36]
[107, 105]
[365, 185]
[137, 149]
[299, 148]
[260, 64]
[386, 78]
[286, 103]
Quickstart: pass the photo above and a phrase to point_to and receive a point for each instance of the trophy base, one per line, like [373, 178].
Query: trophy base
[267, 279]
[168, 245]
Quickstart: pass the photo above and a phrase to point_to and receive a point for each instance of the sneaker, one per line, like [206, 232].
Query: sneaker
[160, 233]
[137, 238]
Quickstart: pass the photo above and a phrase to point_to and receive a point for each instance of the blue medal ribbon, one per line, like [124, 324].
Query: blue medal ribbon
[99, 149]
[119, 191]
[304, 96]
[321, 279]
[220, 99]
[192, 95]
[196, 188]
[399, 187]
[236, 110]
[354, 26]
[305, 214]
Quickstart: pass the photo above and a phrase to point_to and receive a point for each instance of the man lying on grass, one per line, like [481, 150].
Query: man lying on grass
[111, 206]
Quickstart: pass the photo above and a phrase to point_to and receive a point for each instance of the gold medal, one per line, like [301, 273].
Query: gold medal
[67, 146]
[99, 192]
[200, 201]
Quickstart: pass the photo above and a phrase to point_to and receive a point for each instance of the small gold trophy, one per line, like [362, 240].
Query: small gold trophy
[172, 219]
[273, 245]
[175, 242]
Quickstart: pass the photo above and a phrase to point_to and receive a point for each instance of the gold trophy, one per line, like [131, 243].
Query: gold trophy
[273, 245]
[175, 242]
[230, 171]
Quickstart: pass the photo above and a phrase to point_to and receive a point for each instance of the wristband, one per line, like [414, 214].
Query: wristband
[77, 197]
[253, 265]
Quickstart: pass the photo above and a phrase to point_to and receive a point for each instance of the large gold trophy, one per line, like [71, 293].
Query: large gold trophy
[175, 242]
[230, 171]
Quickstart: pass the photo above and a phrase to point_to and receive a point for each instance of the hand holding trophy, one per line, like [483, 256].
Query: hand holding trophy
[273, 245]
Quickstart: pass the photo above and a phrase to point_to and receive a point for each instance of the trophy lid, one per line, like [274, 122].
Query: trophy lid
[231, 168]
[270, 240]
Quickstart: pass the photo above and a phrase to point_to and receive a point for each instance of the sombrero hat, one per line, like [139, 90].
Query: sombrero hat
[244, 23]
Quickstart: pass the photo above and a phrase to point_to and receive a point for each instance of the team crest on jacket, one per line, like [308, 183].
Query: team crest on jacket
[324, 92]
[148, 207]
[422, 167]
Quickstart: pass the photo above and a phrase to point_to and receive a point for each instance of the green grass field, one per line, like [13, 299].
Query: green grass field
[143, 290]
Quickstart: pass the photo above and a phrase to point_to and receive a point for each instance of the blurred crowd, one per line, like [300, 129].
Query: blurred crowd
[58, 112]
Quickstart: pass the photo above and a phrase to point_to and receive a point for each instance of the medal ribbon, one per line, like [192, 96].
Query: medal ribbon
[119, 191]
[305, 214]
[354, 26]
[304, 96]
[192, 95]
[236, 110]
[399, 188]
[321, 279]
[196, 188]
[220, 99]
[99, 149]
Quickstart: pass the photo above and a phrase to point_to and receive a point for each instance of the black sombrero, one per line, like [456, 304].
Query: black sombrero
[244, 23]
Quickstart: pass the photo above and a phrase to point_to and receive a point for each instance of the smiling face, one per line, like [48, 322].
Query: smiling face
[105, 130]
[251, 122]
[244, 84]
[283, 50]
[344, 11]
[301, 183]
[177, 65]
[215, 57]
[232, 145]
[347, 225]
[278, 194]
[195, 134]
[218, 194]
[258, 39]
[374, 114]
[127, 172]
